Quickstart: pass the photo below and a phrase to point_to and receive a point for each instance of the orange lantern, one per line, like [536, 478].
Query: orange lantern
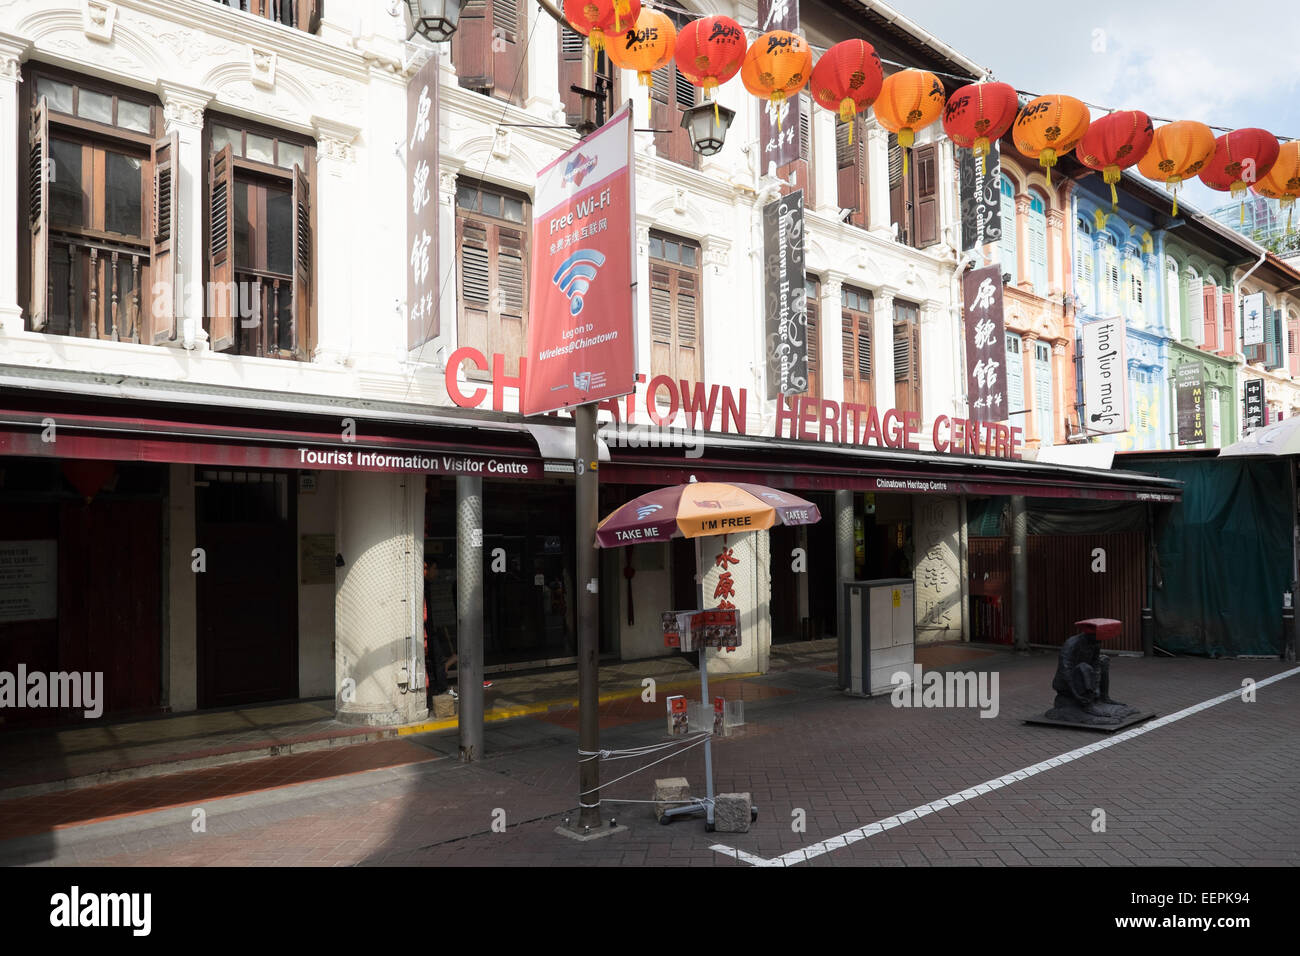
[1178, 151]
[598, 19]
[1283, 181]
[1114, 143]
[1049, 127]
[777, 66]
[979, 113]
[1240, 158]
[710, 51]
[645, 47]
[847, 79]
[909, 100]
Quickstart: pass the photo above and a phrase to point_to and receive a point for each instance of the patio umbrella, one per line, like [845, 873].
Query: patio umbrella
[702, 508]
[1280, 438]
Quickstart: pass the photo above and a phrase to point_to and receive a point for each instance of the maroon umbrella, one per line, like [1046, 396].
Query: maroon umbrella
[702, 508]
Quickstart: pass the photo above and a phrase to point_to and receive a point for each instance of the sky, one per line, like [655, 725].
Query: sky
[1221, 63]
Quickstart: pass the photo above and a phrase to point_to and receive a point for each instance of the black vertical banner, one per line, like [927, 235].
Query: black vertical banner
[986, 351]
[981, 198]
[785, 306]
[1254, 405]
[1189, 389]
[780, 139]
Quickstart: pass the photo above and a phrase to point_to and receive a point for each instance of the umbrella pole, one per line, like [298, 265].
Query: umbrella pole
[704, 697]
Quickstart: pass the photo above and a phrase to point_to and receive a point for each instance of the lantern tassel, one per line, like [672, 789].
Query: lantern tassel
[848, 110]
[982, 146]
[1110, 175]
[906, 137]
[778, 98]
[1047, 159]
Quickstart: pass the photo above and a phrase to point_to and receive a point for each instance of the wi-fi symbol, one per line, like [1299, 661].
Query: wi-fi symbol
[575, 275]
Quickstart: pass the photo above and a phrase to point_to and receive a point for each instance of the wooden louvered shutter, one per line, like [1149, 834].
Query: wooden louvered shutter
[1043, 393]
[474, 271]
[1007, 248]
[849, 353]
[686, 312]
[813, 331]
[1229, 327]
[1273, 340]
[904, 365]
[668, 91]
[301, 334]
[471, 46]
[157, 323]
[506, 50]
[509, 308]
[309, 15]
[1013, 368]
[897, 189]
[221, 251]
[39, 216]
[661, 320]
[1196, 303]
[847, 194]
[925, 209]
[571, 44]
[1210, 309]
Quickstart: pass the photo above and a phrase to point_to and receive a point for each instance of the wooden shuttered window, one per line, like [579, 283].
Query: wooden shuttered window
[1210, 311]
[1273, 339]
[800, 172]
[1007, 248]
[907, 357]
[571, 45]
[39, 217]
[1038, 248]
[492, 255]
[159, 321]
[855, 332]
[1292, 340]
[898, 202]
[851, 180]
[1229, 306]
[1043, 410]
[221, 250]
[670, 93]
[812, 293]
[488, 49]
[675, 315]
[301, 315]
[914, 195]
[1014, 372]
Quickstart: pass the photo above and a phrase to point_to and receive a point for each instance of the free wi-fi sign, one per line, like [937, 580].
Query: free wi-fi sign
[576, 274]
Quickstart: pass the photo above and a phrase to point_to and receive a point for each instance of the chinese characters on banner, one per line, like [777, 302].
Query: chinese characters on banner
[1253, 314]
[1105, 377]
[981, 198]
[986, 379]
[1254, 405]
[581, 345]
[1189, 391]
[784, 296]
[422, 206]
[779, 122]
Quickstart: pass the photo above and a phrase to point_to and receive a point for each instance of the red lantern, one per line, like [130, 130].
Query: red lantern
[710, 51]
[1114, 143]
[1241, 159]
[847, 79]
[597, 19]
[979, 113]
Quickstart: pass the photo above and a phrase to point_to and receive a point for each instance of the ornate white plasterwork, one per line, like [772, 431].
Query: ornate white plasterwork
[97, 19]
[261, 67]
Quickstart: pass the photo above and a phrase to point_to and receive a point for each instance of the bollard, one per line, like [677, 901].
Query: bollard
[1148, 633]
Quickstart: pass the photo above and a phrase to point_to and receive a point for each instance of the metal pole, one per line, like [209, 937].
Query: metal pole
[704, 692]
[587, 507]
[1020, 572]
[844, 570]
[469, 613]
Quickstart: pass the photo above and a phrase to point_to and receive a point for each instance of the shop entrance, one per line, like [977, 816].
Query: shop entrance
[246, 524]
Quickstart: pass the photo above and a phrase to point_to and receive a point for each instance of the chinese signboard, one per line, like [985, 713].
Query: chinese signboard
[986, 380]
[1105, 377]
[1255, 417]
[779, 122]
[785, 305]
[1189, 395]
[422, 205]
[1253, 312]
[981, 199]
[581, 346]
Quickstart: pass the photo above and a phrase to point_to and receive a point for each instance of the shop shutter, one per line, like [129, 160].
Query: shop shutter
[471, 46]
[150, 327]
[1007, 244]
[39, 216]
[1043, 393]
[571, 44]
[925, 209]
[1015, 373]
[221, 251]
[301, 338]
[1210, 311]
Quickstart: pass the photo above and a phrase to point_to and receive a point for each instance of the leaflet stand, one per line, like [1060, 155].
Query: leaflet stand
[701, 804]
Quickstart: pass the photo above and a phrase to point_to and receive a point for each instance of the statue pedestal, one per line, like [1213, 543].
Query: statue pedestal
[1045, 721]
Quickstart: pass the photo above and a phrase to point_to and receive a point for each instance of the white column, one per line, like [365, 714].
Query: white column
[939, 377]
[337, 186]
[718, 300]
[832, 350]
[824, 160]
[378, 597]
[643, 302]
[878, 185]
[543, 65]
[11, 54]
[183, 108]
[882, 347]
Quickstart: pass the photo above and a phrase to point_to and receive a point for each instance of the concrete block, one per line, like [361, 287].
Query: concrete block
[670, 789]
[731, 812]
[444, 705]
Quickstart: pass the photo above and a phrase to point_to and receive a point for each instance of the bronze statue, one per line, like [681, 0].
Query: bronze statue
[1082, 681]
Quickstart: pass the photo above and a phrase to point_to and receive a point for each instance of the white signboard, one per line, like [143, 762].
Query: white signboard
[1105, 377]
[1252, 319]
[28, 580]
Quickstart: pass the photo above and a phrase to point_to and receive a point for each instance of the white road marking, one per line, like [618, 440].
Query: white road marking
[880, 826]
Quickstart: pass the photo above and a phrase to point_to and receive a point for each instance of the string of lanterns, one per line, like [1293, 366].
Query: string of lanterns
[848, 79]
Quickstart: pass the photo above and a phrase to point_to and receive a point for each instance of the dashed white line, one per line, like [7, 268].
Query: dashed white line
[888, 823]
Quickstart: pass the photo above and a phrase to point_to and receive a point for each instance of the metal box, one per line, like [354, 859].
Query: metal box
[878, 637]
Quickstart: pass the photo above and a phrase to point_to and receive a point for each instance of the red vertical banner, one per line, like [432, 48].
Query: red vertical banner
[581, 338]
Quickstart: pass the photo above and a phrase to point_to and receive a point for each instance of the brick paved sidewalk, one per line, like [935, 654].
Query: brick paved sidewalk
[1220, 786]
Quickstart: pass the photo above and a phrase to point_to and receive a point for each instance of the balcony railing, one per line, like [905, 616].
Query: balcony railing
[264, 317]
[94, 289]
[299, 14]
